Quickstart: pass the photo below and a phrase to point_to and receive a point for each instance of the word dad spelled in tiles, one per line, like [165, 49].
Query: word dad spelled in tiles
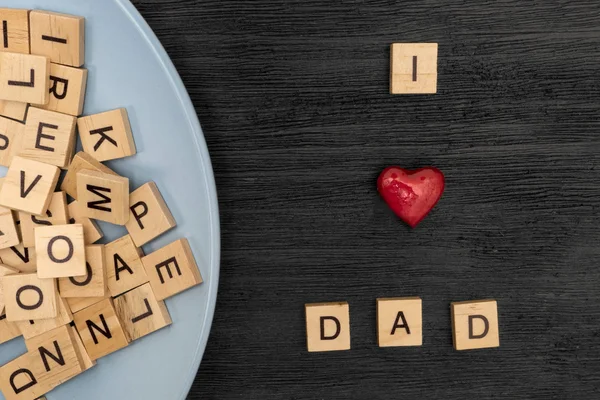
[400, 323]
[74, 301]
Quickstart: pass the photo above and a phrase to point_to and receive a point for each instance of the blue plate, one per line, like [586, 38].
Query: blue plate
[129, 68]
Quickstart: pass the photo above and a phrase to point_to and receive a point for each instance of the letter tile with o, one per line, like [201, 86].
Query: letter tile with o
[328, 326]
[475, 324]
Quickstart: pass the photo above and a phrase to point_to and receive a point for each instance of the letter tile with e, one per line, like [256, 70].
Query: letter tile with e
[327, 326]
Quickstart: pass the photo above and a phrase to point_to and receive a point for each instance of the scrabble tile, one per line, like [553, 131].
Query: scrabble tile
[149, 215]
[24, 78]
[15, 30]
[140, 312]
[399, 322]
[80, 162]
[11, 140]
[107, 136]
[28, 186]
[475, 324]
[67, 89]
[60, 251]
[413, 68]
[56, 214]
[32, 328]
[58, 36]
[103, 196]
[77, 304]
[55, 355]
[327, 326]
[17, 380]
[124, 268]
[28, 297]
[91, 231]
[172, 269]
[8, 330]
[85, 357]
[5, 270]
[19, 257]
[100, 329]
[13, 109]
[49, 137]
[8, 230]
[93, 284]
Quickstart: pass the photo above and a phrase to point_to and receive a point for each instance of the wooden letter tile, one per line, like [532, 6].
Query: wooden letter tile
[33, 328]
[28, 186]
[8, 330]
[28, 297]
[11, 140]
[60, 251]
[107, 136]
[100, 329]
[19, 257]
[124, 269]
[15, 30]
[49, 137]
[91, 231]
[56, 214]
[80, 162]
[13, 109]
[399, 322]
[140, 312]
[93, 284]
[67, 89]
[327, 326]
[58, 36]
[413, 68]
[24, 78]
[172, 269]
[102, 196]
[475, 324]
[8, 230]
[17, 379]
[149, 215]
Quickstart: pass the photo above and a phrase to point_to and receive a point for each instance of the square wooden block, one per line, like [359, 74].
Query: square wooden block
[77, 304]
[24, 78]
[80, 162]
[15, 30]
[172, 269]
[11, 140]
[475, 324]
[33, 328]
[17, 379]
[60, 251]
[91, 231]
[67, 89]
[8, 230]
[149, 216]
[399, 322]
[413, 68]
[124, 269]
[60, 37]
[56, 356]
[8, 330]
[56, 214]
[19, 257]
[28, 297]
[107, 136]
[5, 270]
[28, 186]
[102, 196]
[140, 312]
[93, 283]
[100, 329]
[327, 326]
[13, 109]
[49, 137]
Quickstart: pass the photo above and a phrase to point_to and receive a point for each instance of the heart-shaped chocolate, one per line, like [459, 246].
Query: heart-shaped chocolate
[411, 194]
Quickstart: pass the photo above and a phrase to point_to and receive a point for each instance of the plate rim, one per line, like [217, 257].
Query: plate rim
[197, 134]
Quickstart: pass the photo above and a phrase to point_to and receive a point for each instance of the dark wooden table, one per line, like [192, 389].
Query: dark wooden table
[293, 99]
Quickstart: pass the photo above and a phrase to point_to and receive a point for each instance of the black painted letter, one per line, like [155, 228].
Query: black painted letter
[165, 264]
[123, 267]
[25, 192]
[58, 358]
[97, 205]
[148, 313]
[105, 332]
[31, 306]
[51, 251]
[41, 135]
[485, 329]
[54, 89]
[404, 323]
[338, 328]
[103, 136]
[88, 276]
[138, 217]
[32, 380]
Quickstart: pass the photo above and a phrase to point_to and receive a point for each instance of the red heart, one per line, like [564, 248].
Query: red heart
[411, 194]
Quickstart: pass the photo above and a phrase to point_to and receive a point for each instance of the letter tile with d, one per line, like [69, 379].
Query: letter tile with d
[328, 326]
[475, 324]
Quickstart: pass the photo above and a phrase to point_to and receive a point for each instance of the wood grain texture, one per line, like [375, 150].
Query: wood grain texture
[294, 104]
